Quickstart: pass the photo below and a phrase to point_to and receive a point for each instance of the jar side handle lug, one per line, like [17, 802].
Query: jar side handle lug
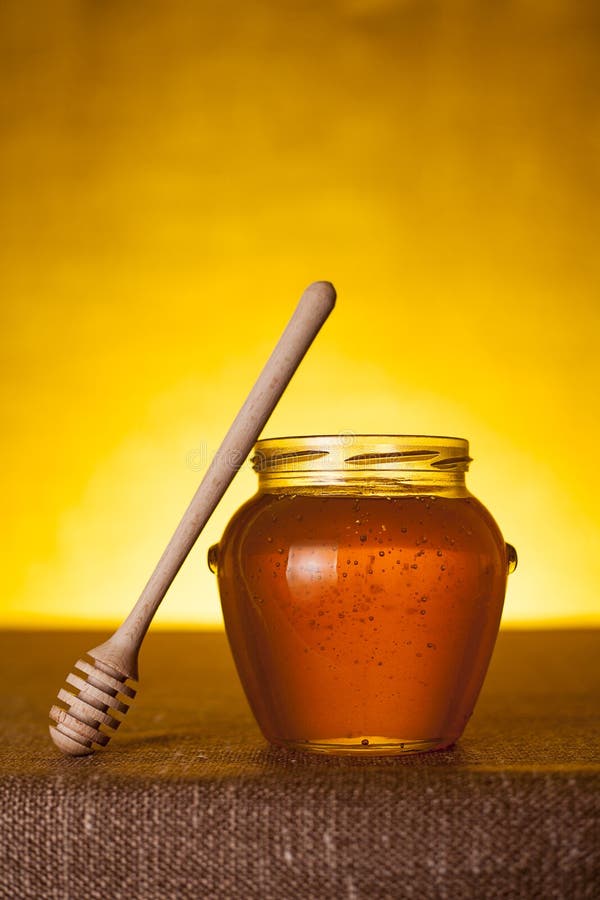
[212, 558]
[511, 558]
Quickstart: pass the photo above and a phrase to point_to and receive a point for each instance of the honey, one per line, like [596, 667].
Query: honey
[362, 621]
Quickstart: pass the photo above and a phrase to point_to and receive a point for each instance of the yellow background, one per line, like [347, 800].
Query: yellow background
[174, 173]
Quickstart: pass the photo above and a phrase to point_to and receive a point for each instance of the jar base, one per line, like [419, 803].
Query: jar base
[364, 745]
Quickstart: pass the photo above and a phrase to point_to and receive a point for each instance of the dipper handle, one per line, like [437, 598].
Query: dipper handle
[315, 305]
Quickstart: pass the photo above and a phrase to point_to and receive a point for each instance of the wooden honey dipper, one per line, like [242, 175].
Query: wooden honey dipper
[100, 684]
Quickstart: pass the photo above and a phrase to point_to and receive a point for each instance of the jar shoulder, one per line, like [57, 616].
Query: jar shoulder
[317, 515]
[483, 513]
[245, 516]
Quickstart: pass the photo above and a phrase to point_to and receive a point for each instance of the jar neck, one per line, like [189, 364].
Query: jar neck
[363, 464]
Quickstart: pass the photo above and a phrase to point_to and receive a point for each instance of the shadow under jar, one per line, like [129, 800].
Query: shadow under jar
[362, 589]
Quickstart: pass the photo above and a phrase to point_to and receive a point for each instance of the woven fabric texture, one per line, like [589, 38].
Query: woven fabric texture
[189, 801]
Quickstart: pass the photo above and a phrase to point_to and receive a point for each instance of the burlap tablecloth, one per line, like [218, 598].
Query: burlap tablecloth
[189, 802]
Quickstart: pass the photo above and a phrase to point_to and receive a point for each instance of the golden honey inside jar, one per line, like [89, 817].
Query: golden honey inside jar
[362, 589]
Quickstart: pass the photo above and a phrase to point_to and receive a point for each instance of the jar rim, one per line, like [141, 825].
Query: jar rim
[347, 452]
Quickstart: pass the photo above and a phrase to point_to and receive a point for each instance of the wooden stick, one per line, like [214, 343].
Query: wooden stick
[116, 660]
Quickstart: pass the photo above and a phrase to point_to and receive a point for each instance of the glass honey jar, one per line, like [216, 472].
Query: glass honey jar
[362, 588]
